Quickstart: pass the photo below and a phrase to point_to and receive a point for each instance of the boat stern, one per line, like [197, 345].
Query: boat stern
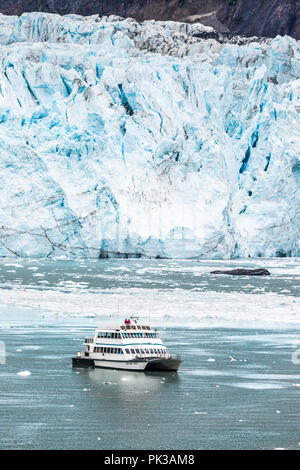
[82, 360]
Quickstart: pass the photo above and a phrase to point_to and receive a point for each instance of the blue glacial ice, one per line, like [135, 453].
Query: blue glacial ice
[133, 139]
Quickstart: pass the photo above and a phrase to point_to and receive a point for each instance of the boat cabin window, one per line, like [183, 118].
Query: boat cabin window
[132, 351]
[108, 350]
[101, 334]
[115, 335]
[127, 351]
[134, 335]
[149, 335]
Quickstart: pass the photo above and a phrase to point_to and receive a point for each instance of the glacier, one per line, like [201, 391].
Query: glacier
[153, 139]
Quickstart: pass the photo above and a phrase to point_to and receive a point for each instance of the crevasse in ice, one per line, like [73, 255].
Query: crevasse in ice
[126, 139]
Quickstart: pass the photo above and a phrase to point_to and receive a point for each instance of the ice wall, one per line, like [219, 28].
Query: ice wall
[154, 139]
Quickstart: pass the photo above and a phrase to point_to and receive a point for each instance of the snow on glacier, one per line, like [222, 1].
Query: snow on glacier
[121, 138]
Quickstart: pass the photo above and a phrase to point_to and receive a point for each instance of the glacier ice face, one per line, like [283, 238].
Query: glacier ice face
[128, 139]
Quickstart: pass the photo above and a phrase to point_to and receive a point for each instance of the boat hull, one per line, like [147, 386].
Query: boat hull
[120, 365]
[156, 364]
[159, 364]
[82, 362]
[169, 364]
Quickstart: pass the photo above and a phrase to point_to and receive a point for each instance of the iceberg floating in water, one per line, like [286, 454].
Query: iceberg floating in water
[158, 139]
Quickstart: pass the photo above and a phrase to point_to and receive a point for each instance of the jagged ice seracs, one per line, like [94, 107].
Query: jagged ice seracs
[156, 139]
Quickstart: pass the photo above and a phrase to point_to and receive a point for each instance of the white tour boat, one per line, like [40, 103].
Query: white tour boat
[130, 346]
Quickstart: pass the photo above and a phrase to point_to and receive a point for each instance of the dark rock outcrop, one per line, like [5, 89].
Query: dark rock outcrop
[265, 18]
[261, 17]
[244, 272]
